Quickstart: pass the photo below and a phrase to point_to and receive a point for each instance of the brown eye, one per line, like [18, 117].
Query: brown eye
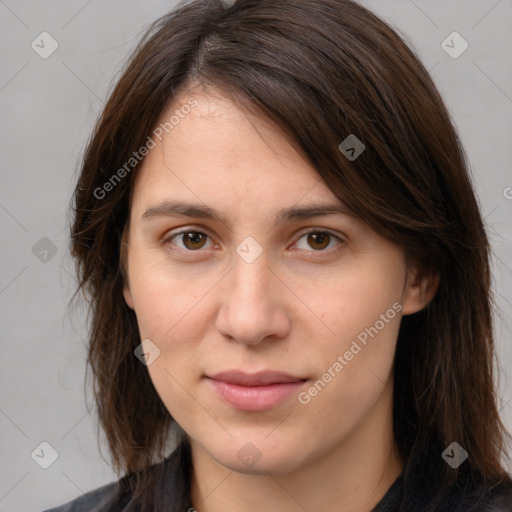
[188, 240]
[193, 240]
[319, 241]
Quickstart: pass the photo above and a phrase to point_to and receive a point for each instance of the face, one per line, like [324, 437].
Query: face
[272, 311]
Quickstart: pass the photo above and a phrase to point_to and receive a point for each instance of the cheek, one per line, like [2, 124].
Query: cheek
[350, 299]
[175, 322]
[165, 298]
[362, 310]
[351, 380]
[174, 311]
[362, 353]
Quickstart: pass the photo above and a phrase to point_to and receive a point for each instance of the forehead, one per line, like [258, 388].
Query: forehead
[208, 148]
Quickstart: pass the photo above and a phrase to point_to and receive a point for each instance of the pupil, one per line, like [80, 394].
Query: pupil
[321, 239]
[194, 240]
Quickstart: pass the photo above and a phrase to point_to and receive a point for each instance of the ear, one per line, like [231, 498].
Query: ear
[420, 288]
[128, 296]
[123, 257]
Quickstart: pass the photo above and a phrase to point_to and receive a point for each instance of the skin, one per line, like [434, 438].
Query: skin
[294, 309]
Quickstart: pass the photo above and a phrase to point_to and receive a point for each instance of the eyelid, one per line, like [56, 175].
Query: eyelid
[307, 231]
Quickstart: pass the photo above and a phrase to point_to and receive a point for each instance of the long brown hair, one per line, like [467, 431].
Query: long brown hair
[321, 70]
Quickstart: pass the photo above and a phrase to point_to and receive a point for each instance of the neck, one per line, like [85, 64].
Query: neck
[352, 476]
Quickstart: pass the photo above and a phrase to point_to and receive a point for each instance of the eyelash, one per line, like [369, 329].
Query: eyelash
[169, 238]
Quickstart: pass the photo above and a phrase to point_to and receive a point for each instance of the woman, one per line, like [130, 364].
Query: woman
[288, 268]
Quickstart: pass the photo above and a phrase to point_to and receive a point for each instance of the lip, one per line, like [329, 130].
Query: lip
[257, 391]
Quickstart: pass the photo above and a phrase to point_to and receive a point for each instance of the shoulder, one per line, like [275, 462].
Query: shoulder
[171, 483]
[420, 487]
[496, 498]
[466, 495]
[96, 500]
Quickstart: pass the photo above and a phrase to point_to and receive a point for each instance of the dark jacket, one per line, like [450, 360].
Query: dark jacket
[412, 491]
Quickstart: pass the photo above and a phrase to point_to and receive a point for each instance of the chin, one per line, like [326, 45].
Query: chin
[259, 456]
[275, 466]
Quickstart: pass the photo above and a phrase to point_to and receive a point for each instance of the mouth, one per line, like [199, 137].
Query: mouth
[255, 392]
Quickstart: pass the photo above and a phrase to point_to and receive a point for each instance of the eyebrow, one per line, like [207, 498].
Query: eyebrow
[183, 209]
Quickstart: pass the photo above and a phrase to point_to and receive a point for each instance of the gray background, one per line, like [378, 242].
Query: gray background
[48, 107]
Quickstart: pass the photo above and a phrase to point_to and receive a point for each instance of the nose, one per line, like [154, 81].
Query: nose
[253, 304]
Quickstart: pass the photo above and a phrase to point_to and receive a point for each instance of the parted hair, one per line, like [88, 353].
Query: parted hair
[321, 70]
